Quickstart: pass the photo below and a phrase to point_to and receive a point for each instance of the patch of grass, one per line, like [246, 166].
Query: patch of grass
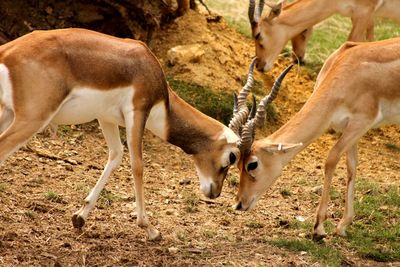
[254, 225]
[242, 26]
[333, 32]
[218, 105]
[319, 252]
[326, 38]
[64, 130]
[392, 147]
[286, 193]
[234, 12]
[106, 198]
[375, 233]
[335, 194]
[191, 201]
[296, 224]
[210, 233]
[30, 214]
[232, 180]
[53, 196]
[181, 235]
[2, 187]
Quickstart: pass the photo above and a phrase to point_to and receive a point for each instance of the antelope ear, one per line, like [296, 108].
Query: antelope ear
[280, 147]
[275, 11]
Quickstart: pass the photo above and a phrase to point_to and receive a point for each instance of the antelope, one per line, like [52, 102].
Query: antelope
[73, 76]
[356, 90]
[295, 21]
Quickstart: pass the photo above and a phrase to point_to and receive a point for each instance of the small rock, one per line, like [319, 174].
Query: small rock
[170, 212]
[69, 168]
[185, 53]
[184, 181]
[300, 218]
[131, 205]
[173, 250]
[317, 189]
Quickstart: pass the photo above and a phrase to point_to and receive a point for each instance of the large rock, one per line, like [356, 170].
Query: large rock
[185, 53]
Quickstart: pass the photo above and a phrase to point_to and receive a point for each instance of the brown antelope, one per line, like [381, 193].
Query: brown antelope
[295, 21]
[356, 90]
[73, 76]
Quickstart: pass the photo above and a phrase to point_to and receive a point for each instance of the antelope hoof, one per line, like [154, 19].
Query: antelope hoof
[77, 221]
[341, 231]
[318, 237]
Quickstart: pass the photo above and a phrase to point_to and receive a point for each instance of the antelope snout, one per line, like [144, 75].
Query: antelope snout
[211, 190]
[238, 206]
[263, 66]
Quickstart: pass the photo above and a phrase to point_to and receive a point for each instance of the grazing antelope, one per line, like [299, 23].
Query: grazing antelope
[356, 90]
[74, 76]
[295, 21]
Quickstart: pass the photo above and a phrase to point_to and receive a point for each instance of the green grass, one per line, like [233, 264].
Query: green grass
[254, 224]
[393, 147]
[234, 12]
[106, 198]
[325, 254]
[191, 201]
[2, 187]
[375, 233]
[64, 130]
[232, 180]
[30, 214]
[53, 196]
[218, 105]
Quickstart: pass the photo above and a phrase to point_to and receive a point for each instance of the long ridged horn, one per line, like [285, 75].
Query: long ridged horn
[247, 138]
[252, 6]
[260, 115]
[259, 11]
[247, 87]
[240, 109]
[248, 130]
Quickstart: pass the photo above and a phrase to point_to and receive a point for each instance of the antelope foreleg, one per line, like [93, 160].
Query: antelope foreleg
[135, 122]
[115, 153]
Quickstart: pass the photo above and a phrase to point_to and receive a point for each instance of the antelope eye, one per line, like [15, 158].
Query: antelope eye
[232, 158]
[257, 36]
[252, 166]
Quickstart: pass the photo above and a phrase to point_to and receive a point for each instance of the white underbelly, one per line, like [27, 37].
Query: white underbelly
[86, 104]
[389, 113]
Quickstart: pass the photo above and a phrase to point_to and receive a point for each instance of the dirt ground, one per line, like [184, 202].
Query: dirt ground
[45, 182]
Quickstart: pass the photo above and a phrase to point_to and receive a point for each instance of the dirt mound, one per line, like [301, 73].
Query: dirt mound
[225, 63]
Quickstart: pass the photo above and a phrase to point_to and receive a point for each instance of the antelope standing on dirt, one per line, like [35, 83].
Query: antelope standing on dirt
[73, 76]
[295, 21]
[356, 90]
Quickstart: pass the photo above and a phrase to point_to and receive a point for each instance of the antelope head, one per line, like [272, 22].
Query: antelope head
[212, 164]
[249, 164]
[269, 36]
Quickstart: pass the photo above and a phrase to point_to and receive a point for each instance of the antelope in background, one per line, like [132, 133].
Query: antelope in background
[357, 89]
[294, 22]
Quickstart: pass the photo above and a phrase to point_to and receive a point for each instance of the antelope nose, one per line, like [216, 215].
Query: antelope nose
[239, 206]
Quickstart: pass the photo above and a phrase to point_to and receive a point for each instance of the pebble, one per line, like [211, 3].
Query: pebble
[173, 250]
